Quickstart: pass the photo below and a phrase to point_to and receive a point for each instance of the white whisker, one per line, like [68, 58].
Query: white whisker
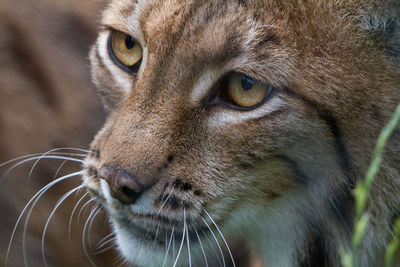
[80, 190]
[44, 156]
[223, 238]
[213, 248]
[39, 193]
[27, 220]
[83, 207]
[156, 235]
[173, 246]
[104, 241]
[187, 237]
[72, 214]
[59, 169]
[94, 209]
[201, 246]
[91, 224]
[180, 248]
[58, 204]
[216, 240]
[106, 248]
[169, 245]
[165, 201]
[39, 154]
[35, 158]
[166, 239]
[119, 260]
[101, 248]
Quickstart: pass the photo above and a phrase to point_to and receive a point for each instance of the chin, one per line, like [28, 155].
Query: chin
[143, 250]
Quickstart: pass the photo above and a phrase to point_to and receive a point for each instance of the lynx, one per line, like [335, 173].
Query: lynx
[245, 118]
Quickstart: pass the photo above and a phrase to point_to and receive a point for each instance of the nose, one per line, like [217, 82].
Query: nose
[123, 185]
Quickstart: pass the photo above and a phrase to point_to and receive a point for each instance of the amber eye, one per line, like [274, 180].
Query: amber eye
[246, 91]
[125, 49]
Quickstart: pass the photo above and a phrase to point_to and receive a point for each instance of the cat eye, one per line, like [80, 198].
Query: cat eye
[247, 92]
[125, 50]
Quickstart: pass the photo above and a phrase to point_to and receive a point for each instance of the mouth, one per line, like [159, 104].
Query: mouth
[160, 230]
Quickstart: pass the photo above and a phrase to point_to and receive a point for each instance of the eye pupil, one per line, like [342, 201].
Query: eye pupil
[129, 42]
[247, 83]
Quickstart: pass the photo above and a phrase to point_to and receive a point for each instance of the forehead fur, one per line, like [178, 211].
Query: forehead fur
[273, 37]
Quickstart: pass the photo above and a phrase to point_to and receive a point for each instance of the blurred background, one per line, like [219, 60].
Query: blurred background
[47, 101]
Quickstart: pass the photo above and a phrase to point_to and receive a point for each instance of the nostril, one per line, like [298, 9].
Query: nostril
[124, 186]
[131, 193]
[125, 194]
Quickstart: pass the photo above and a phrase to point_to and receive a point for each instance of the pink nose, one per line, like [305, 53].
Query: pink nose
[123, 185]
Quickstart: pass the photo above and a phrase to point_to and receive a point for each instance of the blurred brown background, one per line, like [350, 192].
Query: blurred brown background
[47, 101]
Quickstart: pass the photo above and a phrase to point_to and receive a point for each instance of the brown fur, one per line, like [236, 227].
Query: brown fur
[335, 64]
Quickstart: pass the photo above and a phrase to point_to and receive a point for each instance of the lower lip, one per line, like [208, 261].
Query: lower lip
[162, 236]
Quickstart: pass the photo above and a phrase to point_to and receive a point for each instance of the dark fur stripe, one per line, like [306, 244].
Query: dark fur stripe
[342, 202]
[315, 250]
[342, 206]
[298, 174]
[343, 157]
[326, 116]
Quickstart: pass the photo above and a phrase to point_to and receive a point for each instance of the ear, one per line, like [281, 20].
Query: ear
[382, 21]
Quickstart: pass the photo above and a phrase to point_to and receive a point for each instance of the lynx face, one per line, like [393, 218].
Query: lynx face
[251, 118]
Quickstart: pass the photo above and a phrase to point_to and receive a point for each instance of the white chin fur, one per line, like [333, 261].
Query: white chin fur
[144, 254]
[138, 252]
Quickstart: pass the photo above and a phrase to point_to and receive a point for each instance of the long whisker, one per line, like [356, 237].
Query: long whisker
[59, 169]
[104, 241]
[215, 252]
[44, 155]
[72, 214]
[58, 204]
[173, 246]
[183, 240]
[35, 158]
[27, 220]
[39, 154]
[216, 240]
[94, 210]
[39, 193]
[101, 248]
[156, 235]
[106, 248]
[119, 260]
[165, 201]
[223, 238]
[83, 207]
[187, 237]
[169, 245]
[91, 224]
[202, 248]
